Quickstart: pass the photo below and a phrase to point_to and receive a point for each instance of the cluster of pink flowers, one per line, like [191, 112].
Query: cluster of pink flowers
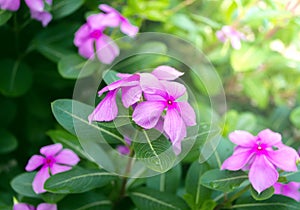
[42, 206]
[262, 155]
[38, 9]
[154, 98]
[229, 33]
[92, 34]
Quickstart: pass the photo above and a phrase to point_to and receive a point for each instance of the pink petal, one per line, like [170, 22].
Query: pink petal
[67, 157]
[187, 113]
[56, 168]
[123, 76]
[107, 50]
[175, 129]
[221, 36]
[36, 5]
[108, 9]
[81, 35]
[147, 113]
[23, 206]
[107, 109]
[235, 42]
[290, 189]
[174, 89]
[44, 17]
[131, 95]
[110, 87]
[46, 206]
[262, 174]
[123, 150]
[34, 162]
[128, 28]
[51, 150]
[242, 138]
[166, 73]
[151, 85]
[12, 5]
[284, 158]
[238, 160]
[40, 179]
[269, 137]
[86, 49]
[100, 21]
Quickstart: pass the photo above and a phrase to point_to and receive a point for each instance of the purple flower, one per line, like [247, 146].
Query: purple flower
[290, 189]
[54, 159]
[12, 5]
[231, 34]
[91, 33]
[38, 10]
[124, 149]
[42, 206]
[162, 95]
[125, 25]
[261, 154]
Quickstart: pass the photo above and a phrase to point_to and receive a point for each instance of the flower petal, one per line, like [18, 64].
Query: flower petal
[187, 113]
[262, 174]
[284, 158]
[107, 109]
[107, 9]
[107, 50]
[46, 206]
[175, 129]
[23, 206]
[56, 168]
[128, 28]
[242, 138]
[269, 137]
[44, 17]
[86, 49]
[174, 89]
[238, 160]
[51, 150]
[123, 150]
[290, 189]
[100, 21]
[131, 95]
[12, 5]
[40, 179]
[166, 73]
[67, 157]
[81, 35]
[147, 113]
[34, 162]
[37, 5]
[151, 85]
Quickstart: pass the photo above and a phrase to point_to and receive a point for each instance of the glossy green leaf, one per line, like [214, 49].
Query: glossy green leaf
[224, 181]
[264, 195]
[149, 199]
[74, 67]
[5, 15]
[8, 142]
[62, 8]
[22, 184]
[15, 78]
[78, 180]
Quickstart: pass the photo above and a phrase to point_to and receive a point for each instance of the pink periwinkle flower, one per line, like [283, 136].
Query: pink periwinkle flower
[42, 206]
[38, 10]
[260, 154]
[12, 5]
[125, 26]
[54, 159]
[124, 149]
[231, 34]
[290, 189]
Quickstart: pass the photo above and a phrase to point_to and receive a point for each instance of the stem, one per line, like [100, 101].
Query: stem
[125, 178]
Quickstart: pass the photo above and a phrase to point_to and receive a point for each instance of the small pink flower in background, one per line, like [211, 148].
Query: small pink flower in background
[124, 149]
[38, 10]
[12, 5]
[125, 26]
[54, 159]
[261, 154]
[290, 189]
[231, 34]
[42, 206]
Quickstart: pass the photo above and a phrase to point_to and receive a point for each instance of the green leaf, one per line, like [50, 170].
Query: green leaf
[74, 66]
[62, 8]
[15, 78]
[8, 142]
[208, 205]
[166, 182]
[149, 199]
[110, 76]
[78, 180]
[264, 195]
[63, 112]
[22, 184]
[52, 197]
[193, 187]
[224, 181]
[292, 176]
[67, 140]
[295, 117]
[276, 202]
[5, 15]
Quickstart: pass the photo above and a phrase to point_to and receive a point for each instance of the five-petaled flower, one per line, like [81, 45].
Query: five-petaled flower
[38, 10]
[12, 5]
[290, 189]
[261, 154]
[54, 159]
[228, 33]
[41, 206]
